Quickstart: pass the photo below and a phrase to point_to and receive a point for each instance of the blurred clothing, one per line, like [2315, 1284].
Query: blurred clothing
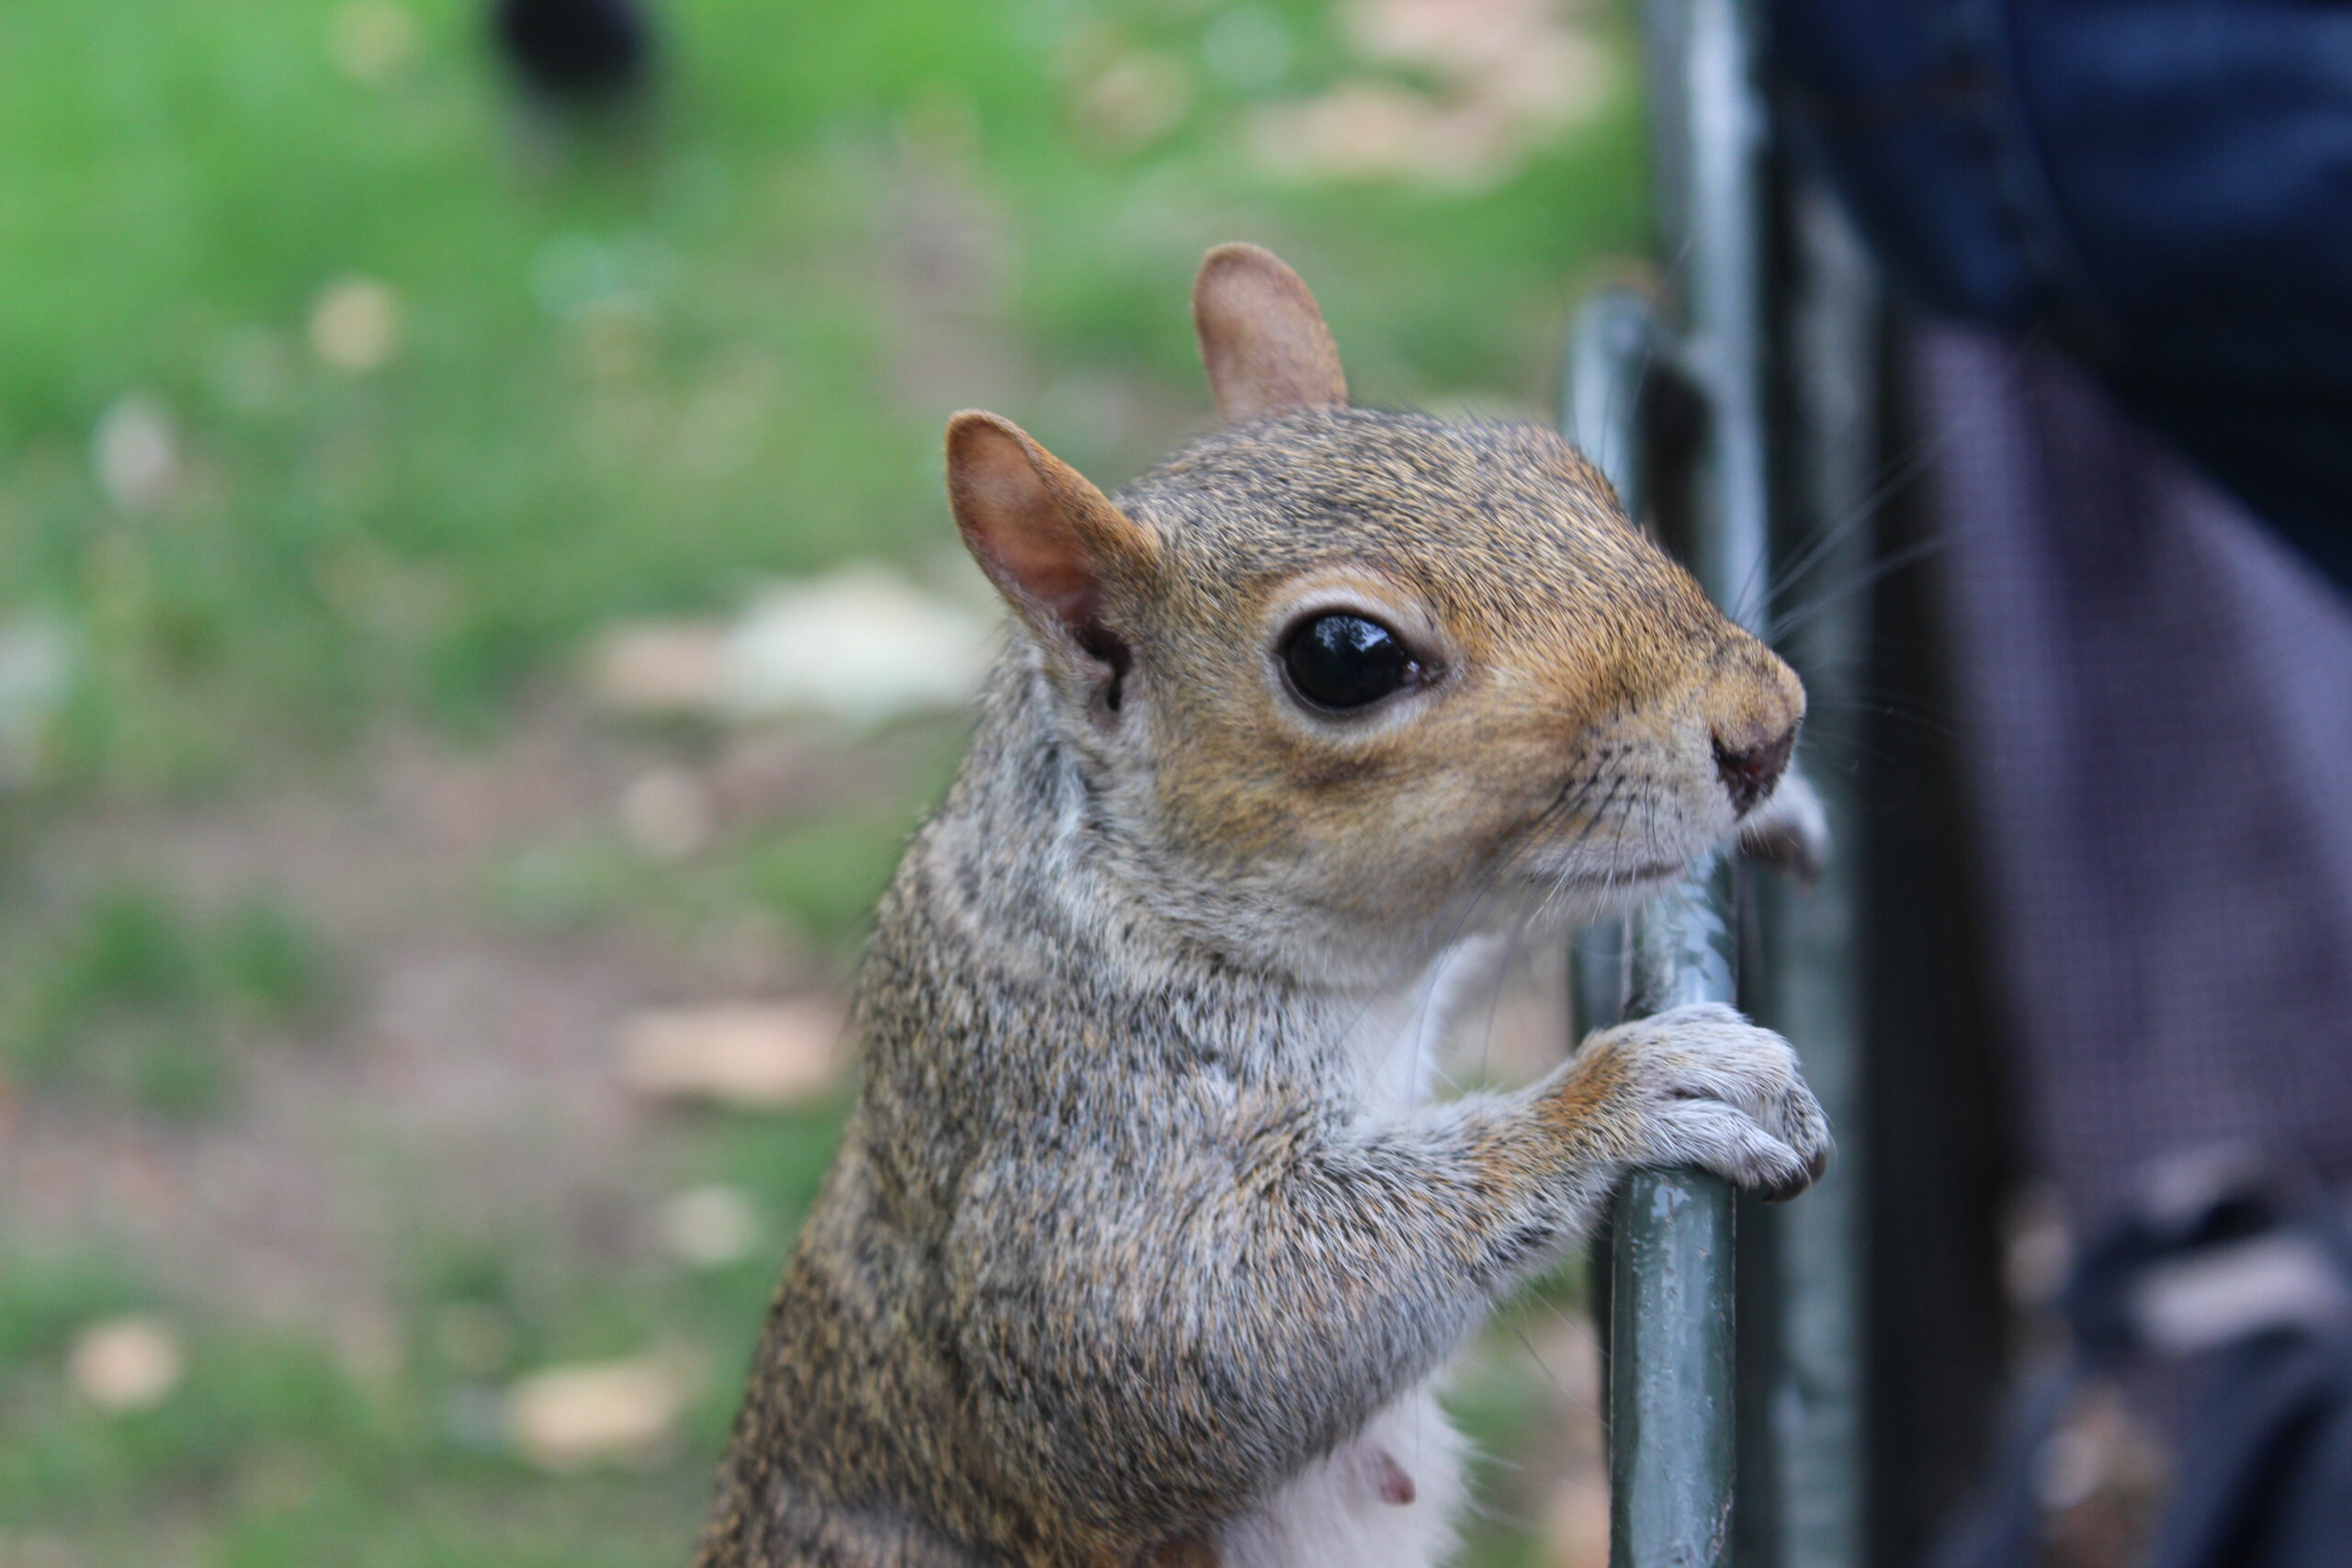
[2156, 705]
[2155, 693]
[2268, 1484]
[2210, 1272]
[2165, 185]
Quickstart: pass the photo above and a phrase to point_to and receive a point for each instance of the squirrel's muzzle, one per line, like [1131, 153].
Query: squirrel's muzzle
[1754, 730]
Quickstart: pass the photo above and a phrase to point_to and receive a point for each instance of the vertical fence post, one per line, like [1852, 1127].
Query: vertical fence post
[1670, 1384]
[1671, 1387]
[1811, 989]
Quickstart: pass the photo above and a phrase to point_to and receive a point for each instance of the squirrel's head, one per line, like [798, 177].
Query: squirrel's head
[1342, 676]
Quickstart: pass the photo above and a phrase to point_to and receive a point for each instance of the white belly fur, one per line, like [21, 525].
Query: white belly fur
[1333, 1514]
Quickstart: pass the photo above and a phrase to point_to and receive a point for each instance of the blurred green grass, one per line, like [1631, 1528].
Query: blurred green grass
[131, 994]
[186, 182]
[632, 374]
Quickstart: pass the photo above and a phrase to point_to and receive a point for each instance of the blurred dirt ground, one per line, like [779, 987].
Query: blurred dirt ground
[469, 1059]
[559, 1056]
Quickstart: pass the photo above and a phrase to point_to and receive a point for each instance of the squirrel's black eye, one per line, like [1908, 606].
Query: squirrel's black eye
[1344, 661]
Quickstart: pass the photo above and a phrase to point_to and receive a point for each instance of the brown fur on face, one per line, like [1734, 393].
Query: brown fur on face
[1580, 692]
[1580, 680]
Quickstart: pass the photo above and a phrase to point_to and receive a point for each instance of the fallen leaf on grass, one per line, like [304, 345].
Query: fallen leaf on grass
[862, 645]
[711, 1226]
[749, 1055]
[135, 453]
[666, 812]
[371, 40]
[598, 1413]
[661, 667]
[356, 324]
[125, 1364]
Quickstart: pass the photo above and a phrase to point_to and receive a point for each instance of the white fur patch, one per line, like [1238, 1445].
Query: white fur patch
[1339, 1512]
[1343, 1510]
[1398, 1045]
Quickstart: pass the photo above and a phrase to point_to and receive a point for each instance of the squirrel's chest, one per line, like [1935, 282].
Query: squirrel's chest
[1396, 1067]
[1396, 1045]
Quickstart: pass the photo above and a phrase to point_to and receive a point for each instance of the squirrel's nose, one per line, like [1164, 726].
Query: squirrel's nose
[1750, 769]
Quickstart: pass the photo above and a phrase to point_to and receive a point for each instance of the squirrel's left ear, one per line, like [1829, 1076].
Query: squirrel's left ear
[1051, 541]
[1262, 338]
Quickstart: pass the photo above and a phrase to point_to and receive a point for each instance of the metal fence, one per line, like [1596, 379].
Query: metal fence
[1733, 411]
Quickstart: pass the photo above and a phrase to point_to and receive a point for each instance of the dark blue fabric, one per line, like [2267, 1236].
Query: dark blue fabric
[2162, 186]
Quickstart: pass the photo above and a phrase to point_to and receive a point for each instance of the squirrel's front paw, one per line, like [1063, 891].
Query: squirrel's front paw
[1700, 1086]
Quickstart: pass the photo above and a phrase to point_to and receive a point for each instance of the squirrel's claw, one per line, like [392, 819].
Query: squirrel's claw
[1790, 831]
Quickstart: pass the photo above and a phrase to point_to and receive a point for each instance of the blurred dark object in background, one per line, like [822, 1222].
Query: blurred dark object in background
[2140, 214]
[2155, 700]
[2152, 701]
[578, 53]
[2212, 1273]
[2153, 697]
[2165, 186]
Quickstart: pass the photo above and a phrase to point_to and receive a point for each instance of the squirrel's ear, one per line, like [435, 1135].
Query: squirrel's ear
[1261, 337]
[1051, 541]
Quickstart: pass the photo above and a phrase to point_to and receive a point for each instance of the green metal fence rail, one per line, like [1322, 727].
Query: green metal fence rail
[1810, 987]
[1670, 1333]
[1700, 355]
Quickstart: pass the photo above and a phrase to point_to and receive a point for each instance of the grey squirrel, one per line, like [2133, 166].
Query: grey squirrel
[1144, 1243]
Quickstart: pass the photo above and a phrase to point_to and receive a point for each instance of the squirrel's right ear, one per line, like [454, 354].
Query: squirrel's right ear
[1263, 338]
[1051, 541]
